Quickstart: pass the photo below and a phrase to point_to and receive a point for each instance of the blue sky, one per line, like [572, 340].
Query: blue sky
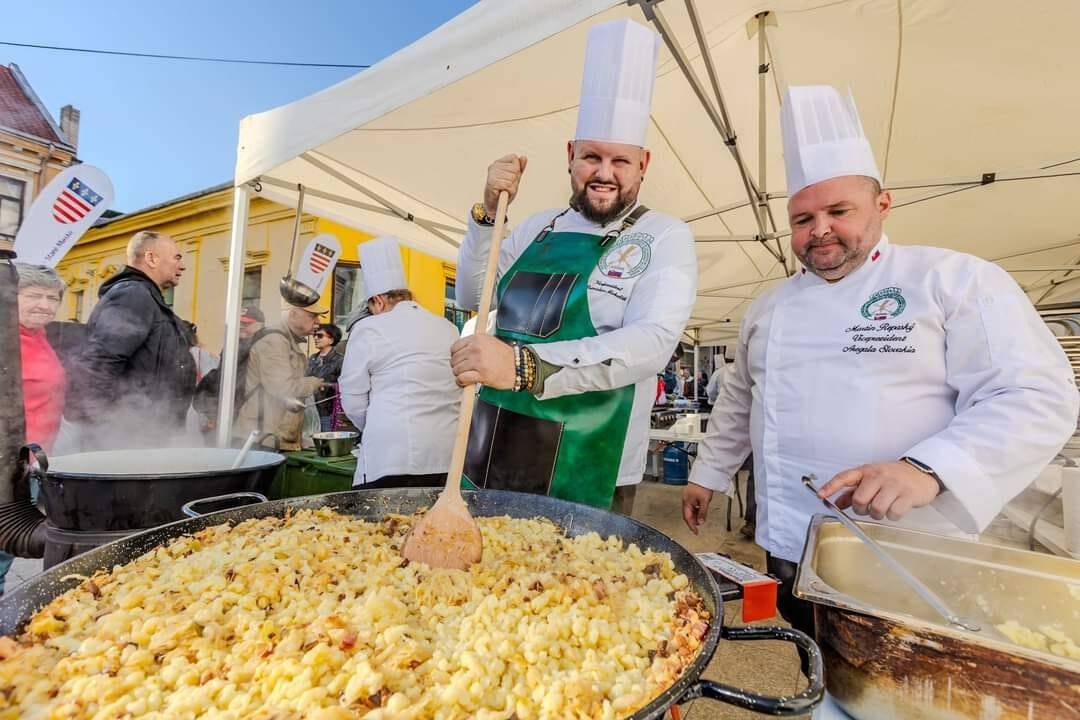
[161, 128]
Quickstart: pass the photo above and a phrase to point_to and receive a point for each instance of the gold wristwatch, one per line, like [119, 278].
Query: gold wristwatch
[925, 469]
[480, 216]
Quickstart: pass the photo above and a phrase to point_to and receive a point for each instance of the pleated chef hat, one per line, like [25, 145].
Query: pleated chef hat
[823, 137]
[380, 264]
[617, 83]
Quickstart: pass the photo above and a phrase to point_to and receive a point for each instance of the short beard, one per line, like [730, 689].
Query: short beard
[852, 260]
[579, 200]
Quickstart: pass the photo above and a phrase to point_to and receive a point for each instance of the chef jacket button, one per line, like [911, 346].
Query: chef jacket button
[576, 361]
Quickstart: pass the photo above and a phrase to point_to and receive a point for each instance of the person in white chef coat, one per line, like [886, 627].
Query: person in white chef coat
[591, 299]
[918, 382]
[396, 385]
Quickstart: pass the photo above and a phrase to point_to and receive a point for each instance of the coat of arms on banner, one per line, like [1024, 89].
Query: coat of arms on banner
[75, 202]
[321, 257]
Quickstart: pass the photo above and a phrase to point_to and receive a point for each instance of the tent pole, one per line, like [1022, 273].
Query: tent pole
[732, 286]
[697, 361]
[1057, 246]
[716, 211]
[349, 202]
[653, 14]
[1050, 286]
[733, 238]
[241, 201]
[308, 157]
[762, 210]
[763, 70]
[763, 135]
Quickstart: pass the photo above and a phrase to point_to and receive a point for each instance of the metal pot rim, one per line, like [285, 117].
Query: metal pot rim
[256, 460]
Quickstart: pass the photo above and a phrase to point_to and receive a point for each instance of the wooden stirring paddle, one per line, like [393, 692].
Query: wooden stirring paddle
[447, 536]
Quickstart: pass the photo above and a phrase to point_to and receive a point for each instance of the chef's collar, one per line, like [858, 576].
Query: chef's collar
[875, 257]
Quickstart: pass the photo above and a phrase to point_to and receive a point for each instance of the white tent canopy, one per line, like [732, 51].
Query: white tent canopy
[973, 103]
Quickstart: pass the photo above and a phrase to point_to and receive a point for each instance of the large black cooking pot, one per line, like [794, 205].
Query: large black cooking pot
[17, 607]
[135, 489]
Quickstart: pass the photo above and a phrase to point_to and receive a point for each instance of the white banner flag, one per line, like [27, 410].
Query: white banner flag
[318, 261]
[62, 212]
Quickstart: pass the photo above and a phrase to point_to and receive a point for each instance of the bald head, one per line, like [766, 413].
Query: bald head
[158, 256]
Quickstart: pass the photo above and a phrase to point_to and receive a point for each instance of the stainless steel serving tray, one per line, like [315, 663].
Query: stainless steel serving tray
[889, 655]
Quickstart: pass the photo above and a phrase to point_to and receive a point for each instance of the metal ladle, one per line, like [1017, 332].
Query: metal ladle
[913, 582]
[242, 455]
[293, 291]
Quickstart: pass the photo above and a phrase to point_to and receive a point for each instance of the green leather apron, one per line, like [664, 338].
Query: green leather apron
[568, 447]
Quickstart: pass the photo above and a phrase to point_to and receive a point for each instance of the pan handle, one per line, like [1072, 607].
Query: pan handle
[188, 508]
[798, 704]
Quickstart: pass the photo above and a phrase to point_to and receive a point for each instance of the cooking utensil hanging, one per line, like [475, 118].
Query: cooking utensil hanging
[293, 291]
[893, 564]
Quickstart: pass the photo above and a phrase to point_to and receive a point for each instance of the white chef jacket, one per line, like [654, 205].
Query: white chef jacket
[397, 388]
[638, 316]
[716, 382]
[921, 352]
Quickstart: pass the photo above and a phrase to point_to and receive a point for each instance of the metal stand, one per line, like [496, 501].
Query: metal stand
[12, 411]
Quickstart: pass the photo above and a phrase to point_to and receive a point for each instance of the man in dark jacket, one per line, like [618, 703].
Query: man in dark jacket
[136, 373]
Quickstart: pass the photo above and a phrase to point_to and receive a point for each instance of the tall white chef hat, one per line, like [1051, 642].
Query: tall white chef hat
[823, 137]
[381, 267]
[617, 83]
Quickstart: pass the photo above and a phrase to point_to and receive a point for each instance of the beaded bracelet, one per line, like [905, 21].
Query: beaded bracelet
[529, 363]
[519, 371]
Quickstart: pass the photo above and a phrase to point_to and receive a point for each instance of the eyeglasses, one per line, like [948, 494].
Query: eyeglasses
[321, 334]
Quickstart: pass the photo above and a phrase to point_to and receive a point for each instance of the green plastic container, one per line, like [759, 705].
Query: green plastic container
[305, 473]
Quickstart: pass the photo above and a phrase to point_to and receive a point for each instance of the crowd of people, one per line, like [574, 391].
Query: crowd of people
[140, 377]
[131, 379]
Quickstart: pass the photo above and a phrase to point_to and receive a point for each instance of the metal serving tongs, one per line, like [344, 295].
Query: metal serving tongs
[913, 582]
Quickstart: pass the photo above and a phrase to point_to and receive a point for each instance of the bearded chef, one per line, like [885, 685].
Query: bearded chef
[396, 386]
[591, 300]
[955, 394]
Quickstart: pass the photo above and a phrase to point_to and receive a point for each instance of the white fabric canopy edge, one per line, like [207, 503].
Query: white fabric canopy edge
[485, 33]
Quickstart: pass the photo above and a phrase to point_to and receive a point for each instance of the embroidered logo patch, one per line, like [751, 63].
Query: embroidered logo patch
[884, 304]
[628, 257]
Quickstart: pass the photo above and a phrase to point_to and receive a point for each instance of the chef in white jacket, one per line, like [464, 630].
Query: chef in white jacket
[591, 300]
[396, 385]
[917, 381]
[716, 381]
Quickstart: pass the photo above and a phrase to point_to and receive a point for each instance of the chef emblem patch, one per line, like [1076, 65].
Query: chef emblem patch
[884, 304]
[628, 257]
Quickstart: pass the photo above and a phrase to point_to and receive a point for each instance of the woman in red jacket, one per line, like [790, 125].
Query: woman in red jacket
[40, 293]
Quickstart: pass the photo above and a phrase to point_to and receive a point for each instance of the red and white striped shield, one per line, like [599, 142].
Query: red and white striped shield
[321, 257]
[318, 261]
[75, 202]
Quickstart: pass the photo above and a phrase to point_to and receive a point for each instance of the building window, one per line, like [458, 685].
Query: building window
[252, 293]
[348, 292]
[77, 297]
[11, 206]
[451, 310]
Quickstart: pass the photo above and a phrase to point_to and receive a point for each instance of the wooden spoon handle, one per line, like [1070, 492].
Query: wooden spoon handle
[468, 398]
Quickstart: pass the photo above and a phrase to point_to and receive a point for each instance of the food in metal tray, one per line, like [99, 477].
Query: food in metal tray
[1047, 638]
[316, 615]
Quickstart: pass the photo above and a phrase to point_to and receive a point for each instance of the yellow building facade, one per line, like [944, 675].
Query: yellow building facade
[201, 225]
